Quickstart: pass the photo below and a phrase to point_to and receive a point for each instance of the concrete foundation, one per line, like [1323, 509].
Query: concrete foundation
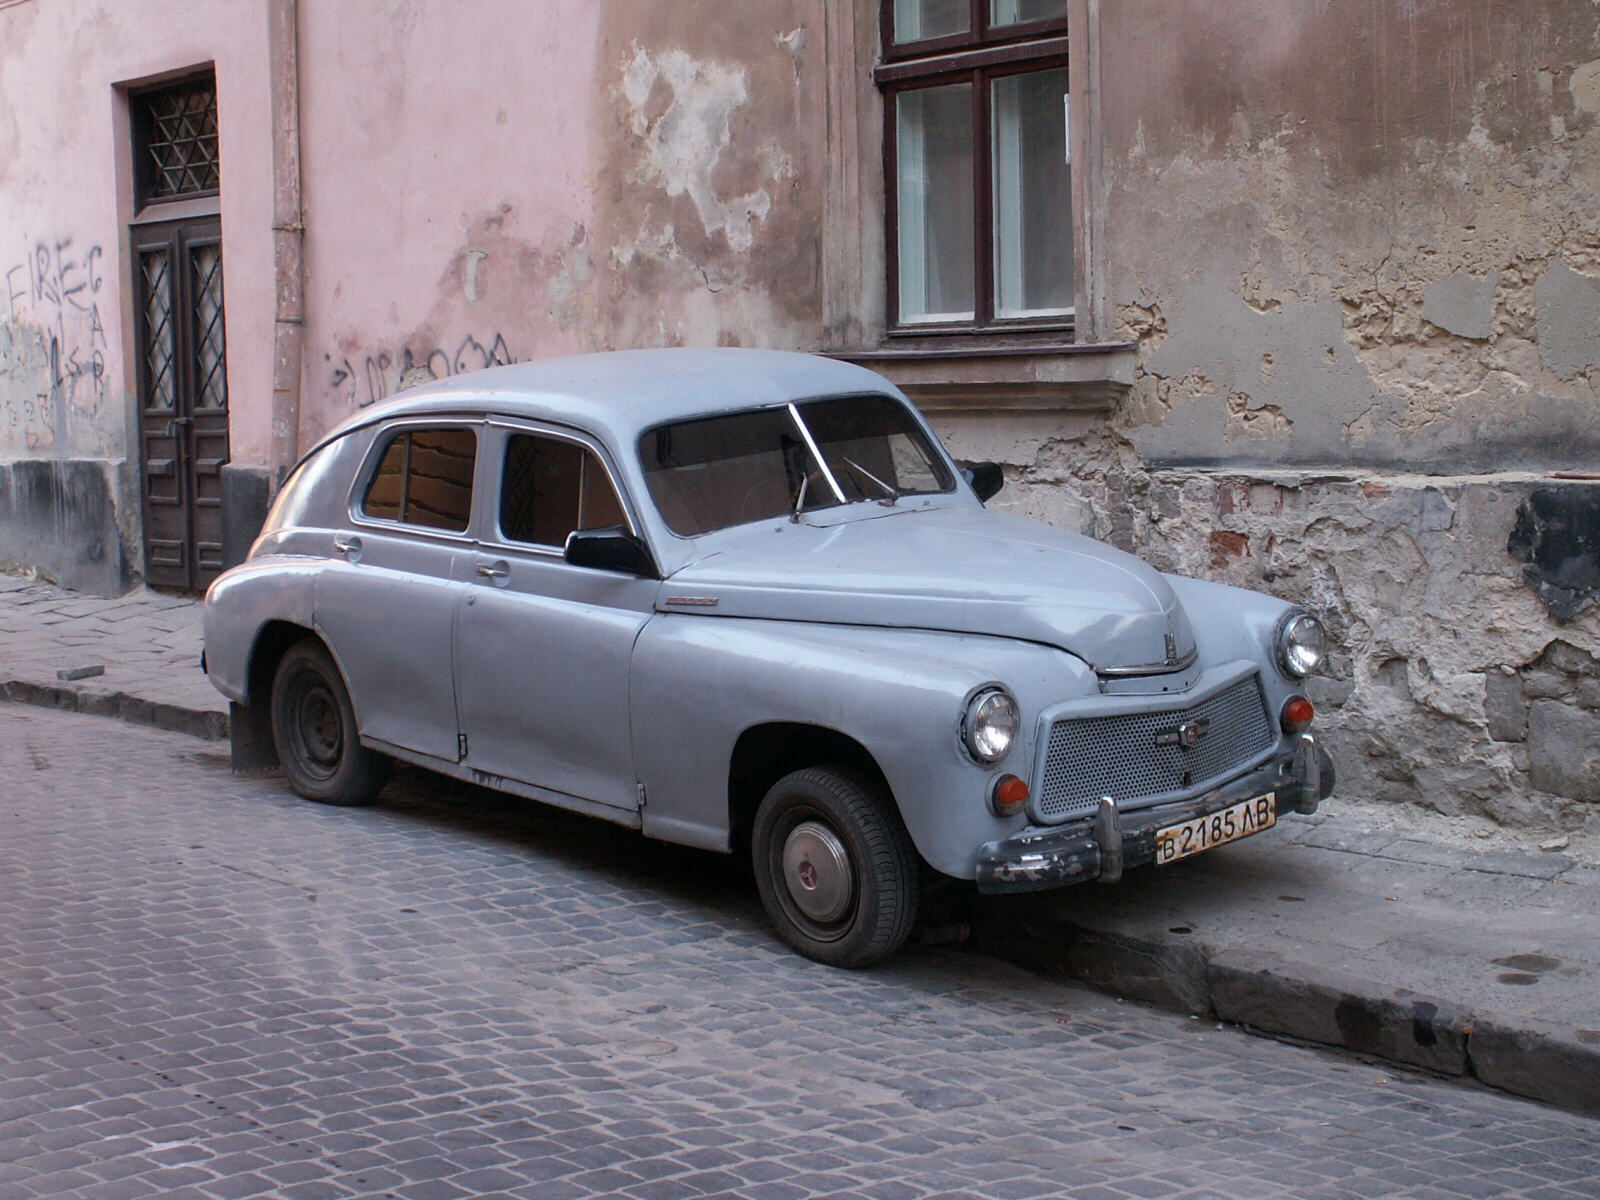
[59, 516]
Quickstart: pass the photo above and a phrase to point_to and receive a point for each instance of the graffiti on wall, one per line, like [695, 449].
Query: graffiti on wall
[52, 342]
[382, 373]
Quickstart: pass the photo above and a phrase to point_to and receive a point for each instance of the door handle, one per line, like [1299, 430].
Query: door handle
[178, 424]
[496, 572]
[348, 545]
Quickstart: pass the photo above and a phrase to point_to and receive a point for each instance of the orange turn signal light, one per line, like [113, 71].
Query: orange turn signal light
[1008, 796]
[1297, 714]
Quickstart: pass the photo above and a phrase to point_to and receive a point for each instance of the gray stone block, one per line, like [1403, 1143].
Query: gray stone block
[1462, 304]
[246, 493]
[1558, 1066]
[1568, 320]
[1511, 862]
[1267, 992]
[1170, 974]
[60, 515]
[1505, 707]
[1564, 750]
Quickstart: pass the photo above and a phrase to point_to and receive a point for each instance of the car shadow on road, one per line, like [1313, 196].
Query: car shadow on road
[588, 844]
[718, 886]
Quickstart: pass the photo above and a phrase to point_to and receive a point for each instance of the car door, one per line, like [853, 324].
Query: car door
[387, 602]
[542, 646]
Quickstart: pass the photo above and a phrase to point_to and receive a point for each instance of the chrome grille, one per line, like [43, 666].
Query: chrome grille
[1090, 757]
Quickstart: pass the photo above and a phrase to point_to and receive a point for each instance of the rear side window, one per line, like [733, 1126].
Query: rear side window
[550, 487]
[424, 478]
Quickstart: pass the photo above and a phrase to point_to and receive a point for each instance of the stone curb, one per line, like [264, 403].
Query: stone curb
[137, 710]
[1275, 995]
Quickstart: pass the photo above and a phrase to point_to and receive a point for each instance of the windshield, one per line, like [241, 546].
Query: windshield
[713, 472]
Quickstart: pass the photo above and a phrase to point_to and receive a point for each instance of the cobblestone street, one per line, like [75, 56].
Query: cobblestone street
[211, 988]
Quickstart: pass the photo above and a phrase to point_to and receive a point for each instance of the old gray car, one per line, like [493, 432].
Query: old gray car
[744, 599]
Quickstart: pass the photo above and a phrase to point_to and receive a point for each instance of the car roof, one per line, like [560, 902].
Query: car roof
[623, 392]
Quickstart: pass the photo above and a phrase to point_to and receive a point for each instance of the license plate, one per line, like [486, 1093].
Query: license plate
[1227, 825]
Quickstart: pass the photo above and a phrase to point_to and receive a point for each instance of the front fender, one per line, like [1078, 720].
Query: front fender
[699, 682]
[240, 603]
[1232, 623]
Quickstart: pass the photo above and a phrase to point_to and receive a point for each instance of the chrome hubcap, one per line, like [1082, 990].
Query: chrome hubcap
[816, 870]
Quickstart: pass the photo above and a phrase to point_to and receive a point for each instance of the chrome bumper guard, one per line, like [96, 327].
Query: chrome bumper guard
[1103, 845]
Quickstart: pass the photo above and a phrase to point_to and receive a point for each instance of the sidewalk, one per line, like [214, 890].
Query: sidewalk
[1382, 932]
[136, 656]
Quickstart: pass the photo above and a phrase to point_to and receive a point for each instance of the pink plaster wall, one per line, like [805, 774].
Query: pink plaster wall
[63, 175]
[447, 188]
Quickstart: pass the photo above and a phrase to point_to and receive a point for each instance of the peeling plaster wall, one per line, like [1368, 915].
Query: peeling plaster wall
[712, 159]
[639, 174]
[1357, 234]
[1358, 246]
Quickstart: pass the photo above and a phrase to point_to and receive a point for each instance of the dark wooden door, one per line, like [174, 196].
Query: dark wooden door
[183, 399]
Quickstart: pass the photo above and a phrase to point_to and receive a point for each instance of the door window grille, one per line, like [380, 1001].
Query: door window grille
[211, 361]
[175, 137]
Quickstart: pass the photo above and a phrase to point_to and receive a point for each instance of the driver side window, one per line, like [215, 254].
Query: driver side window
[549, 487]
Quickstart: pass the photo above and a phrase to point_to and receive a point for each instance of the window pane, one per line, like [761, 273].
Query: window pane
[1016, 12]
[550, 487]
[387, 488]
[180, 139]
[159, 335]
[211, 356]
[933, 158]
[439, 482]
[917, 20]
[598, 505]
[719, 471]
[874, 448]
[1032, 195]
[539, 490]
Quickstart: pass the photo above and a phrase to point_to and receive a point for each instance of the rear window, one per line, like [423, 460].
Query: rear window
[424, 478]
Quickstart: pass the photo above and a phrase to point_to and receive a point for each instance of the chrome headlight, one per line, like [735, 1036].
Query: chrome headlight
[990, 725]
[1301, 643]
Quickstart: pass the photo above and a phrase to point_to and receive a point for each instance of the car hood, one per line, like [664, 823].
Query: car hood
[961, 570]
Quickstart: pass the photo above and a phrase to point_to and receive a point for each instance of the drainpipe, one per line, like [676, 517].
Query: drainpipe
[288, 233]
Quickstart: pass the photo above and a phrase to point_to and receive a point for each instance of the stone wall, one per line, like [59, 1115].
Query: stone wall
[1358, 247]
[1451, 683]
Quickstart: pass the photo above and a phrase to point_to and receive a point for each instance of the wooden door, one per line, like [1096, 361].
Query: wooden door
[183, 399]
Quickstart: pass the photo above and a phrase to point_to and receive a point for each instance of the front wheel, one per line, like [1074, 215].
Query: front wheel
[314, 728]
[836, 870]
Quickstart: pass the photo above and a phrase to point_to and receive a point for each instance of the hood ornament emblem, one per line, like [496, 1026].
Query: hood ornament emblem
[1172, 649]
[1187, 735]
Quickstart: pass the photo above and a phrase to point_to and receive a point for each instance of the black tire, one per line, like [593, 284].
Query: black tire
[847, 895]
[314, 729]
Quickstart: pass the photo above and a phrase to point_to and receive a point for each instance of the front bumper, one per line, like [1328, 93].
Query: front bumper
[1101, 846]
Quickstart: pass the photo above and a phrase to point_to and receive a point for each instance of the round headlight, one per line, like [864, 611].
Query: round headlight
[1301, 643]
[990, 725]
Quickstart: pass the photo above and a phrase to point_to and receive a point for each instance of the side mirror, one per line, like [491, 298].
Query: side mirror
[610, 549]
[986, 478]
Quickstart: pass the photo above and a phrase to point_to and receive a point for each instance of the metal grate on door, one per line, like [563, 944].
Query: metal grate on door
[180, 139]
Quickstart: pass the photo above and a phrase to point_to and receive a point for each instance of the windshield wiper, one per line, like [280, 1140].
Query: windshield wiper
[860, 470]
[800, 500]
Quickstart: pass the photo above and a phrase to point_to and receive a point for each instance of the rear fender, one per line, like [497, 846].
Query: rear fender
[240, 604]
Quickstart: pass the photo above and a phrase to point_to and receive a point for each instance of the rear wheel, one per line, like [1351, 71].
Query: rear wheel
[837, 872]
[314, 728]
